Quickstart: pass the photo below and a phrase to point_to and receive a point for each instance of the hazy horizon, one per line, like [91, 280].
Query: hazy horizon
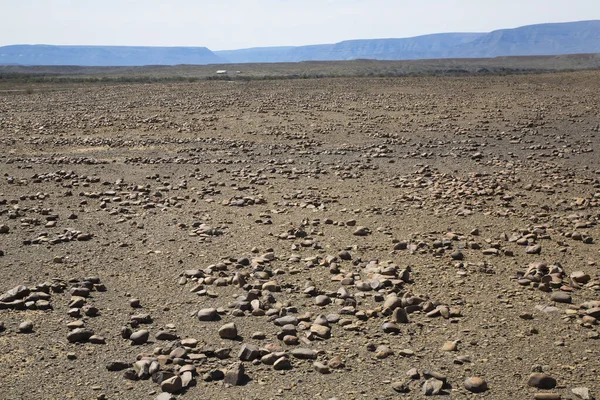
[240, 24]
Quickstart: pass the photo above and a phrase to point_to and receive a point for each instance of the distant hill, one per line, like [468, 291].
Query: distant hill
[121, 56]
[543, 39]
[377, 49]
[534, 40]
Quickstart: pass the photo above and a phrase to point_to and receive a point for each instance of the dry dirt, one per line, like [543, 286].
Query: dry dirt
[478, 199]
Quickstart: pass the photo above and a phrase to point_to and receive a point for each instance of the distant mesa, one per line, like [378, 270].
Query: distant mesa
[542, 39]
[106, 56]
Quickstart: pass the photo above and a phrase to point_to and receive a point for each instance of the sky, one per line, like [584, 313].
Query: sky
[235, 24]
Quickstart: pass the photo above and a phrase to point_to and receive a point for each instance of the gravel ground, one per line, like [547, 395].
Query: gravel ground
[367, 239]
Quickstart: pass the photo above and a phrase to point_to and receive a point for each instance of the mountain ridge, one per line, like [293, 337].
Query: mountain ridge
[118, 56]
[540, 39]
[578, 37]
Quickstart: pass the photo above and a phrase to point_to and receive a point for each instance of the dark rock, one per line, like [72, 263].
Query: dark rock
[304, 353]
[79, 335]
[165, 335]
[541, 381]
[172, 385]
[235, 374]
[115, 366]
[208, 314]
[139, 337]
[249, 352]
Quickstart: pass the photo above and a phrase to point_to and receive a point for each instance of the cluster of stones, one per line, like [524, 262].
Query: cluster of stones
[68, 235]
[172, 366]
[243, 201]
[382, 280]
[56, 160]
[435, 383]
[454, 243]
[32, 298]
[122, 198]
[205, 230]
[79, 308]
[553, 279]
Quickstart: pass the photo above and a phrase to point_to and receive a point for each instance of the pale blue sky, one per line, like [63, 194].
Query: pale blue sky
[233, 24]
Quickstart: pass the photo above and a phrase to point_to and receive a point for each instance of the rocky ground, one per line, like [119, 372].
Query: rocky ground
[343, 238]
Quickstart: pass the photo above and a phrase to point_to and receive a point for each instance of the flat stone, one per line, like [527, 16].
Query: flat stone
[406, 353]
[288, 319]
[80, 292]
[435, 375]
[561, 297]
[304, 353]
[271, 286]
[115, 366]
[208, 314]
[76, 324]
[593, 312]
[79, 335]
[178, 352]
[166, 335]
[580, 277]
[321, 368]
[189, 342]
[547, 396]
[535, 249]
[96, 339]
[142, 318]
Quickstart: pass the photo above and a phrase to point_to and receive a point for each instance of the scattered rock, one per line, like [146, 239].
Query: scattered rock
[139, 337]
[476, 384]
[541, 381]
[26, 326]
[235, 374]
[228, 331]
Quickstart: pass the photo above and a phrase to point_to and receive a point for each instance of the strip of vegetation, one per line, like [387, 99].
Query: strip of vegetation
[453, 72]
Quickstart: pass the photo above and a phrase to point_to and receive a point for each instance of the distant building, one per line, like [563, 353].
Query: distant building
[222, 72]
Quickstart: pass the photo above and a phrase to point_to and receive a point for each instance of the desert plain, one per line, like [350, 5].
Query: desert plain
[347, 238]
